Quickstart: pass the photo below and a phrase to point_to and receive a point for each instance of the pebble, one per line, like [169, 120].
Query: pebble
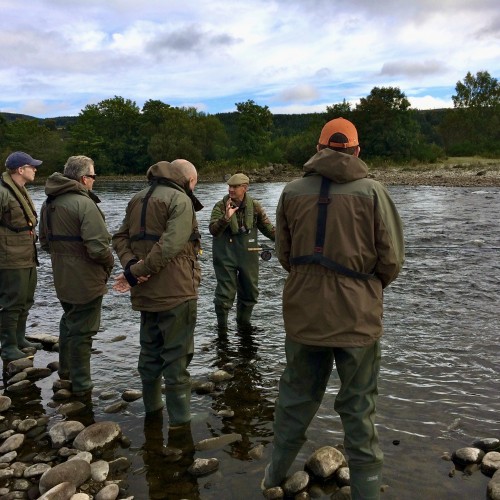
[131, 395]
[217, 442]
[203, 466]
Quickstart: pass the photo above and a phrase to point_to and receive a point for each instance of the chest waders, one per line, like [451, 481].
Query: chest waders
[18, 288]
[236, 268]
[78, 324]
[167, 341]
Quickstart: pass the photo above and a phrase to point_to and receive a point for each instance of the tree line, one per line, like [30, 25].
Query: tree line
[125, 139]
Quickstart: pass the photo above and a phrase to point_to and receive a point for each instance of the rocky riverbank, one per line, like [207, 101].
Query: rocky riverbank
[67, 455]
[453, 173]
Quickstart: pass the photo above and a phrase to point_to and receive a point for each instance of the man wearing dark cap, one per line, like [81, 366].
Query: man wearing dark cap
[340, 237]
[233, 224]
[18, 257]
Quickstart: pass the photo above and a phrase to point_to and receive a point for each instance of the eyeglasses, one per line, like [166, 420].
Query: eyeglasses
[92, 176]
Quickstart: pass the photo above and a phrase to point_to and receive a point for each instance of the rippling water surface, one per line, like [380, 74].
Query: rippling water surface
[439, 382]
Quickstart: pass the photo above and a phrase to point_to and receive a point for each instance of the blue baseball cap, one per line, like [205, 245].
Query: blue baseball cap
[19, 159]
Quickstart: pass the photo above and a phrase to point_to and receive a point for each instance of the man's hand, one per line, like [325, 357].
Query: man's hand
[121, 284]
[230, 209]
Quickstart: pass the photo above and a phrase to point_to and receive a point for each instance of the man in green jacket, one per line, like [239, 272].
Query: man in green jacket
[73, 230]
[233, 224]
[18, 256]
[158, 245]
[339, 236]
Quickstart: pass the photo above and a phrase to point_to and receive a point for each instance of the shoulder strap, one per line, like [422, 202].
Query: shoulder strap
[318, 257]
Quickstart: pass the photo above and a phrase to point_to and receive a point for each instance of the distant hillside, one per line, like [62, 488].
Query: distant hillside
[60, 121]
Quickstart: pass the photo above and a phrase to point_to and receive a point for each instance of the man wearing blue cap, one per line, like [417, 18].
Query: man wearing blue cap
[18, 256]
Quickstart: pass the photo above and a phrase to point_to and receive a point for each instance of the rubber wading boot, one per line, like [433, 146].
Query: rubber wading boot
[243, 315]
[365, 482]
[79, 367]
[22, 342]
[151, 395]
[277, 470]
[10, 351]
[178, 406]
[221, 314]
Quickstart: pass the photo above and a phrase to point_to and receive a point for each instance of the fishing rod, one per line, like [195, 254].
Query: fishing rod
[267, 251]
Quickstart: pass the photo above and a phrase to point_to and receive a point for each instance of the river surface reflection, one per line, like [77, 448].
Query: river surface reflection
[439, 380]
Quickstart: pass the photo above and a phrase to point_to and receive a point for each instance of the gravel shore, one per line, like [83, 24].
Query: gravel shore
[478, 173]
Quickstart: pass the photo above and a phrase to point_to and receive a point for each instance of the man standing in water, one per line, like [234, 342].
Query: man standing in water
[233, 224]
[158, 245]
[73, 230]
[340, 238]
[18, 257]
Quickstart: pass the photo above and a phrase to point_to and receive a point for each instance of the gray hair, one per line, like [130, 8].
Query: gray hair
[77, 166]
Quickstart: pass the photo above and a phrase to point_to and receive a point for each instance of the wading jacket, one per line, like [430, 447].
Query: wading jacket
[73, 230]
[233, 239]
[18, 220]
[165, 247]
[333, 295]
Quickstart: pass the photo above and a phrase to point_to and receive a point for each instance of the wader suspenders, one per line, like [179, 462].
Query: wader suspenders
[56, 237]
[142, 235]
[318, 257]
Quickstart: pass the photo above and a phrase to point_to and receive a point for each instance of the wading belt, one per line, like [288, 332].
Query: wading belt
[142, 235]
[318, 257]
[50, 235]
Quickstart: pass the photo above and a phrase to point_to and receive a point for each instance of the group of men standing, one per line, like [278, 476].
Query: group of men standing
[338, 235]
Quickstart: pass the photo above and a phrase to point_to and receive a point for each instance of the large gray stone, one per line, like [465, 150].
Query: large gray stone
[64, 432]
[325, 461]
[490, 463]
[99, 470]
[36, 470]
[71, 408]
[131, 395]
[35, 373]
[26, 425]
[75, 472]
[22, 386]
[97, 436]
[296, 483]
[217, 442]
[202, 466]
[109, 492]
[5, 403]
[465, 456]
[62, 491]
[12, 443]
[17, 366]
[493, 489]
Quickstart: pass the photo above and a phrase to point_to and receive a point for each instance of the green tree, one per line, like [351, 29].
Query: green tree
[340, 110]
[473, 126]
[480, 91]
[37, 140]
[386, 125]
[109, 132]
[182, 133]
[254, 129]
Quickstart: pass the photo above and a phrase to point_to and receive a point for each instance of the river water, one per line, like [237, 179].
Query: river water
[439, 381]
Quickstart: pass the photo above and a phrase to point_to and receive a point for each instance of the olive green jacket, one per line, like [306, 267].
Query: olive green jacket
[18, 220]
[364, 233]
[73, 230]
[170, 258]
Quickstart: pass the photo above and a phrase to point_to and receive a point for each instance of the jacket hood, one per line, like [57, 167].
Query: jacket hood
[168, 171]
[58, 184]
[339, 167]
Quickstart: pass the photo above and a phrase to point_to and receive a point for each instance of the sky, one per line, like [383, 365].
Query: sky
[58, 56]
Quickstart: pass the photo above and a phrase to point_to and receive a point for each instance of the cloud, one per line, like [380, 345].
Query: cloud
[299, 93]
[412, 68]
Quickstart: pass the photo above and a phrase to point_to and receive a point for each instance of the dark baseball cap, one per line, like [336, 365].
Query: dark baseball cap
[19, 159]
